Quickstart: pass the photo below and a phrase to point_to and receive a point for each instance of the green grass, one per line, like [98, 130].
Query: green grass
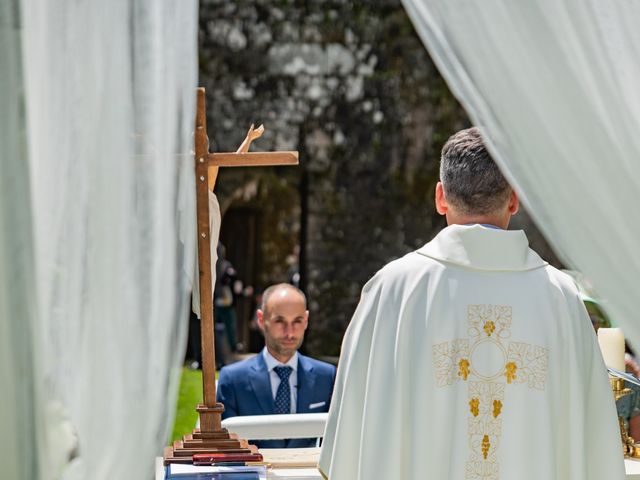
[189, 396]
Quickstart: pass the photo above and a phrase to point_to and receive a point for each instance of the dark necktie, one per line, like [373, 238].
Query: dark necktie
[283, 394]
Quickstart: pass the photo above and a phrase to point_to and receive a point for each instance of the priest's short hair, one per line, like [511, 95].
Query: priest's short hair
[471, 180]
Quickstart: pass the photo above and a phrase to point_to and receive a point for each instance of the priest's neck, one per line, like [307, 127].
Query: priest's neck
[495, 211]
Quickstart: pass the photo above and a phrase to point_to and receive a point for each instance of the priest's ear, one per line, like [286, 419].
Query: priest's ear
[514, 203]
[441, 202]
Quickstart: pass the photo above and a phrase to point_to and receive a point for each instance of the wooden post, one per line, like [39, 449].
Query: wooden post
[211, 437]
[210, 411]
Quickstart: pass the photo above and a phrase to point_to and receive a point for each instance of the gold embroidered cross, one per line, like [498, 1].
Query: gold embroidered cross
[488, 363]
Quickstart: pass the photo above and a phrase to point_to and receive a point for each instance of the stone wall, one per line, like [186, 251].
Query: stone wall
[353, 89]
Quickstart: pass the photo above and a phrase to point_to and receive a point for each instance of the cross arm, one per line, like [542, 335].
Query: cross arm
[252, 159]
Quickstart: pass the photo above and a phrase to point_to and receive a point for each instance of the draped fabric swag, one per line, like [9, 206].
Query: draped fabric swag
[97, 231]
[554, 86]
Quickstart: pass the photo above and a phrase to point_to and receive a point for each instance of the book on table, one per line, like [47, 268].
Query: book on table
[175, 471]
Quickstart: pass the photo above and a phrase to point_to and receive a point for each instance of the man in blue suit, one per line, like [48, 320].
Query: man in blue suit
[279, 379]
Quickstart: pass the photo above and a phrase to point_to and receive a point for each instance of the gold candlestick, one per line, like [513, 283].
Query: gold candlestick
[628, 443]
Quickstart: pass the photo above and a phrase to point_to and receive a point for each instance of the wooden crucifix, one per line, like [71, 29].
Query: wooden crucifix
[211, 437]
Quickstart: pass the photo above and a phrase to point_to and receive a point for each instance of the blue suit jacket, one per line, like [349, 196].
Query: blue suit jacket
[245, 389]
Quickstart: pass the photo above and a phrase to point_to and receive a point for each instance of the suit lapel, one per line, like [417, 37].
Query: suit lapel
[306, 384]
[261, 385]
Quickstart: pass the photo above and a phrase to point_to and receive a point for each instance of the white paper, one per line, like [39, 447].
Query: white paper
[184, 469]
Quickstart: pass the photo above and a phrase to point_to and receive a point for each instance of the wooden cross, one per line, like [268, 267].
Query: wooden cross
[489, 328]
[211, 437]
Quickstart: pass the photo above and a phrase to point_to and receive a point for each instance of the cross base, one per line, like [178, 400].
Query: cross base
[210, 438]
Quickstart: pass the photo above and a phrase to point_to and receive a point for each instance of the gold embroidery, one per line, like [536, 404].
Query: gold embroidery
[497, 408]
[488, 361]
[446, 357]
[474, 403]
[486, 444]
[482, 469]
[489, 328]
[531, 362]
[463, 366]
[510, 371]
[499, 315]
[477, 465]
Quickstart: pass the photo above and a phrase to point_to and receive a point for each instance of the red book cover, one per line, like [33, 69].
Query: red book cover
[212, 458]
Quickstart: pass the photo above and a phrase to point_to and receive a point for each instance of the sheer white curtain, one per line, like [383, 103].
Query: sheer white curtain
[97, 229]
[19, 408]
[554, 85]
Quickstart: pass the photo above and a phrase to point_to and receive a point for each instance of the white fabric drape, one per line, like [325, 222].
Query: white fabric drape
[20, 411]
[554, 85]
[98, 230]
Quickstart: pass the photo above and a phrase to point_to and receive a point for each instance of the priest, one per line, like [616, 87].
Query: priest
[471, 358]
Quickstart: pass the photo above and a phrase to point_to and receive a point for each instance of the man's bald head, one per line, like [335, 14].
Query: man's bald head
[280, 288]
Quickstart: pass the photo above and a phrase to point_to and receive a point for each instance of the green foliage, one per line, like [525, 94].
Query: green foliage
[189, 396]
[279, 202]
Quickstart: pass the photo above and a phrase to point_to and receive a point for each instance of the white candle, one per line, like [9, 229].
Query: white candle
[611, 341]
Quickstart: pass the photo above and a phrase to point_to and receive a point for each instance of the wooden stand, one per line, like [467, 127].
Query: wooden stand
[211, 437]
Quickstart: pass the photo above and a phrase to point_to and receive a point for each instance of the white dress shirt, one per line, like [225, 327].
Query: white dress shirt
[275, 380]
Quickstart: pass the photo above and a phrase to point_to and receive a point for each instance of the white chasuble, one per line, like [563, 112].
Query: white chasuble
[471, 358]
